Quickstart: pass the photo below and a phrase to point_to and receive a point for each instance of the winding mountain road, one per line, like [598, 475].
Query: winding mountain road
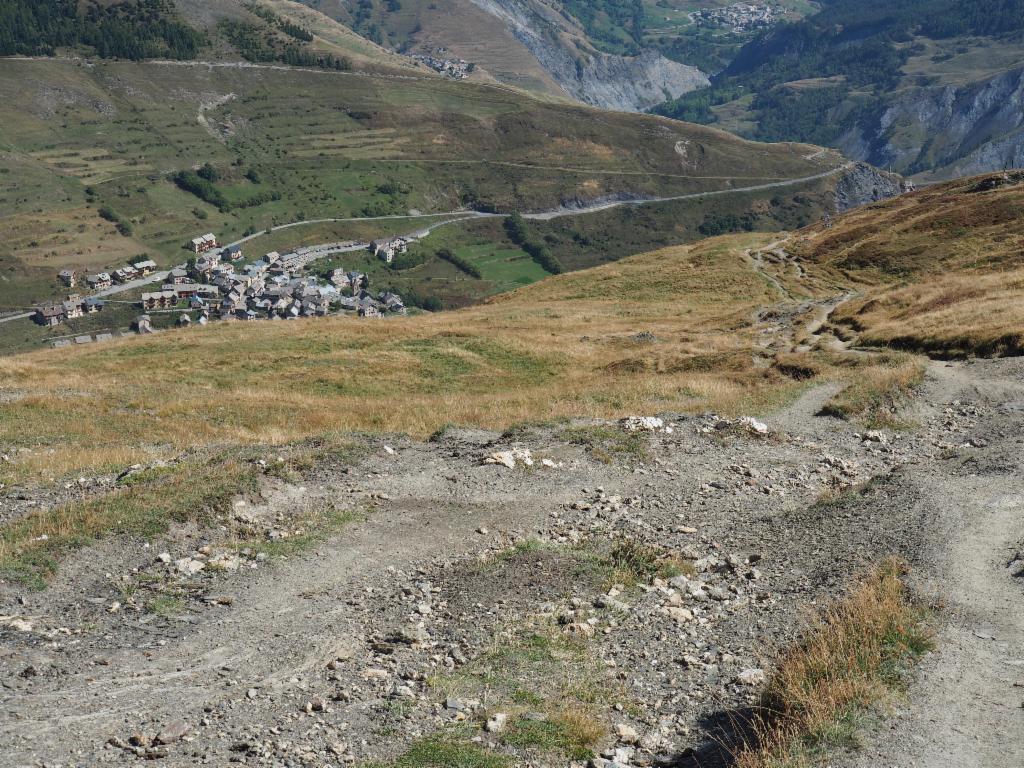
[454, 217]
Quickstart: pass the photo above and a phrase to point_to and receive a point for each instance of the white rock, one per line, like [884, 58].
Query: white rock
[626, 733]
[511, 457]
[496, 723]
[189, 566]
[643, 424]
[680, 615]
[758, 427]
[751, 677]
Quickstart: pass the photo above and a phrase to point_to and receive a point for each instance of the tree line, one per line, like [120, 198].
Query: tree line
[519, 233]
[130, 29]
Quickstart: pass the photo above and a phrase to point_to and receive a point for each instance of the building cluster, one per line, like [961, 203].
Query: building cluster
[387, 249]
[75, 306]
[270, 288]
[457, 69]
[72, 307]
[213, 285]
[740, 17]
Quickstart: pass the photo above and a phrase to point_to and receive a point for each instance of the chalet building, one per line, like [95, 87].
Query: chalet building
[146, 267]
[49, 314]
[74, 307]
[144, 324]
[100, 281]
[178, 275]
[160, 300]
[386, 250]
[203, 244]
[126, 274]
[69, 277]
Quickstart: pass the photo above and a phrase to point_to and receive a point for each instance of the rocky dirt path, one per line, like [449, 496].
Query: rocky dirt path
[327, 657]
[967, 707]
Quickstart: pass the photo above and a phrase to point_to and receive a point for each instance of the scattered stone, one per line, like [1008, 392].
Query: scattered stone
[643, 424]
[172, 732]
[511, 458]
[626, 733]
[496, 723]
[189, 565]
[751, 677]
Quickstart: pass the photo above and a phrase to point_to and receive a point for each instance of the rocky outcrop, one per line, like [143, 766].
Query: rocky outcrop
[864, 184]
[627, 83]
[947, 130]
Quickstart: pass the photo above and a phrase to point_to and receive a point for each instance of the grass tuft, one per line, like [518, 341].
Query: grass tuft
[854, 655]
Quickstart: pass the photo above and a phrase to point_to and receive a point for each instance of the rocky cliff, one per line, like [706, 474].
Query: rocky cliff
[947, 130]
[612, 82]
[864, 184]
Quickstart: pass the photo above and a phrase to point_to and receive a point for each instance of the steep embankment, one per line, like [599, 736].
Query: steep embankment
[531, 44]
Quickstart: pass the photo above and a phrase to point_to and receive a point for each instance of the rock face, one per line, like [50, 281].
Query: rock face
[864, 184]
[962, 131]
[624, 83]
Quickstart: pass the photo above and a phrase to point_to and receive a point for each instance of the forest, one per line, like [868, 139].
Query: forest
[130, 29]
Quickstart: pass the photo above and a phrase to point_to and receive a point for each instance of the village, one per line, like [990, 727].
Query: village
[457, 69]
[213, 285]
[741, 17]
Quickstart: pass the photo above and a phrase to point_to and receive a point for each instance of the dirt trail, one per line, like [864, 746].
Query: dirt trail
[965, 709]
[240, 674]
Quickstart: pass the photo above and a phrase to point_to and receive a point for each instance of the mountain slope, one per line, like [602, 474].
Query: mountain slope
[529, 43]
[929, 87]
[294, 144]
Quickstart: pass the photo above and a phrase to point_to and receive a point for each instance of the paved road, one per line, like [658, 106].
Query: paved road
[453, 217]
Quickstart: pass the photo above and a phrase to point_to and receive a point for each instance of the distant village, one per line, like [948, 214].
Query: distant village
[457, 69]
[213, 286]
[741, 17]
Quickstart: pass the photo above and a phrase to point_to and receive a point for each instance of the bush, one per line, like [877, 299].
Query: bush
[519, 233]
[460, 263]
[190, 181]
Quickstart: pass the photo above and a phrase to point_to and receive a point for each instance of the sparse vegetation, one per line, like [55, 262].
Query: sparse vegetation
[446, 750]
[876, 392]
[193, 490]
[855, 655]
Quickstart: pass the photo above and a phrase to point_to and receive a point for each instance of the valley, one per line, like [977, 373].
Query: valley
[406, 384]
[356, 593]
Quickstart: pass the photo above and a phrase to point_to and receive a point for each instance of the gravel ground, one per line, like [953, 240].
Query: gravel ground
[638, 580]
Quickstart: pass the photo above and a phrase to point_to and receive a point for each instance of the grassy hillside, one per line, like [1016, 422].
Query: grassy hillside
[942, 269]
[675, 329]
[295, 144]
[667, 330]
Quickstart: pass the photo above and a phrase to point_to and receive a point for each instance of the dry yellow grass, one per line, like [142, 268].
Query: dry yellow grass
[672, 330]
[955, 315]
[940, 271]
[854, 654]
[564, 348]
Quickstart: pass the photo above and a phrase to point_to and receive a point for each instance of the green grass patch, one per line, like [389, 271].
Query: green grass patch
[446, 750]
[571, 733]
[605, 444]
[193, 490]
